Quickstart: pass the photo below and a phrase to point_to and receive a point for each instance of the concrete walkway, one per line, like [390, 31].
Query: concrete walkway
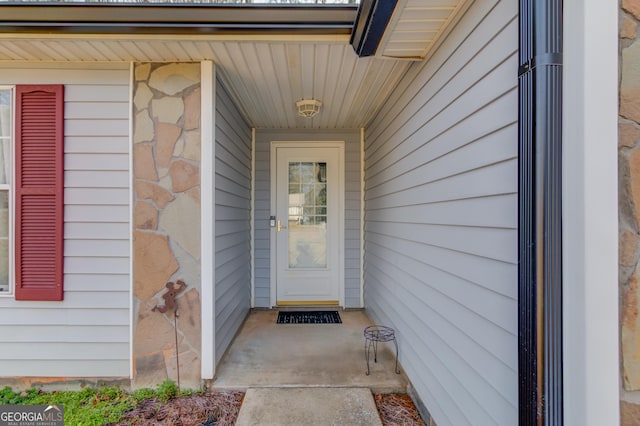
[266, 354]
[299, 374]
[308, 406]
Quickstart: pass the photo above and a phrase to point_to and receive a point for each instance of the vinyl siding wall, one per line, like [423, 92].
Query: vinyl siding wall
[263, 208]
[87, 334]
[233, 219]
[441, 220]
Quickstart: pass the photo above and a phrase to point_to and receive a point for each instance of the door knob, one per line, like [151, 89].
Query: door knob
[280, 227]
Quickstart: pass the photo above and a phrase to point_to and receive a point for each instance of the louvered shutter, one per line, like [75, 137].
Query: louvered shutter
[39, 192]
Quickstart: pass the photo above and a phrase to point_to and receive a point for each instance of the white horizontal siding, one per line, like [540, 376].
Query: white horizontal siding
[87, 334]
[66, 368]
[97, 144]
[88, 127]
[95, 213]
[112, 92]
[96, 195]
[441, 220]
[96, 265]
[95, 247]
[95, 161]
[96, 179]
[56, 333]
[96, 230]
[117, 282]
[67, 351]
[97, 110]
[34, 315]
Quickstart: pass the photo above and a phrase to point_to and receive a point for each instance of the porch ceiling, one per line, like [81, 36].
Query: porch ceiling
[266, 77]
[268, 57]
[418, 26]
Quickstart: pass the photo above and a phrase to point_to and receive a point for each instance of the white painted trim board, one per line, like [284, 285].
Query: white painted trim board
[207, 173]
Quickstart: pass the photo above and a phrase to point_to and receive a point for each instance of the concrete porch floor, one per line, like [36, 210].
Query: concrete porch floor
[266, 354]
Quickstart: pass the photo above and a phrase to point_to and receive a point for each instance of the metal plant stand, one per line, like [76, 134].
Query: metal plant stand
[378, 333]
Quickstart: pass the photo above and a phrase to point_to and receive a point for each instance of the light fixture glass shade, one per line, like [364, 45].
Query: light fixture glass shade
[308, 107]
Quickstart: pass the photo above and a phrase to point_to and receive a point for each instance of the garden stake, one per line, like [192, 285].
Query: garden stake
[170, 303]
[175, 332]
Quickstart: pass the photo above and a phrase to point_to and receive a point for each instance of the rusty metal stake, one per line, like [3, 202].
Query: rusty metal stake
[175, 331]
[170, 302]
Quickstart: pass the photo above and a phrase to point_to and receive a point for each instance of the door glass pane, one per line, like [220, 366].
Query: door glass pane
[307, 215]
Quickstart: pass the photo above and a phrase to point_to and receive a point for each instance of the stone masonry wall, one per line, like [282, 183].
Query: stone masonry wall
[166, 228]
[629, 215]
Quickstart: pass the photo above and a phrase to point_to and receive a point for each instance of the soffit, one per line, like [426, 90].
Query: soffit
[269, 57]
[418, 26]
[265, 77]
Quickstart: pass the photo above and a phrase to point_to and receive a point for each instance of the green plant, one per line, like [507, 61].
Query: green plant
[167, 390]
[8, 396]
[140, 395]
[93, 406]
[89, 406]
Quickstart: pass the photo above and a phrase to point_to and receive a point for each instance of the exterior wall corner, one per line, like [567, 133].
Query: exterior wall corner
[629, 210]
[590, 211]
[166, 223]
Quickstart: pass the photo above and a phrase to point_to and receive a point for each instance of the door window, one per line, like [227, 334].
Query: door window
[307, 219]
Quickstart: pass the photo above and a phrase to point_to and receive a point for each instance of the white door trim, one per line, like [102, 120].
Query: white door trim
[341, 206]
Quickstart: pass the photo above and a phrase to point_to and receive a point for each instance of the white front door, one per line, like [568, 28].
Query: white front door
[309, 194]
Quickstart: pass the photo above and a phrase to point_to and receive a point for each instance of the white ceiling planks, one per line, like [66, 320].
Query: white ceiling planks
[51, 49]
[9, 50]
[417, 26]
[268, 72]
[266, 77]
[377, 87]
[134, 51]
[280, 89]
[340, 85]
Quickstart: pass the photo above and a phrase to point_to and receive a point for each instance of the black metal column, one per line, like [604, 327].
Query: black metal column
[540, 213]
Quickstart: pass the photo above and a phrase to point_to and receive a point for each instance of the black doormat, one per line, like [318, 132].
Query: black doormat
[309, 317]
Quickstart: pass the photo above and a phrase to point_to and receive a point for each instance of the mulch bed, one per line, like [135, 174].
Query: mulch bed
[208, 409]
[221, 409]
[397, 409]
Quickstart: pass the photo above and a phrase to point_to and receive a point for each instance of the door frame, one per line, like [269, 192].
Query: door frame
[341, 206]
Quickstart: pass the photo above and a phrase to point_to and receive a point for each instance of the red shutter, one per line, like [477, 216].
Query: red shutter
[39, 192]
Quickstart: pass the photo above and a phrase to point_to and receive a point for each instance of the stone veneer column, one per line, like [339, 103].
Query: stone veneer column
[629, 204]
[166, 228]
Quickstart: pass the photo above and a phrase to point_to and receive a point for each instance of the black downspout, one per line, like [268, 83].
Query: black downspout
[540, 213]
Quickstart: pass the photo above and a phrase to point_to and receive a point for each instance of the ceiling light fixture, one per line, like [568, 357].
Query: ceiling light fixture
[308, 107]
